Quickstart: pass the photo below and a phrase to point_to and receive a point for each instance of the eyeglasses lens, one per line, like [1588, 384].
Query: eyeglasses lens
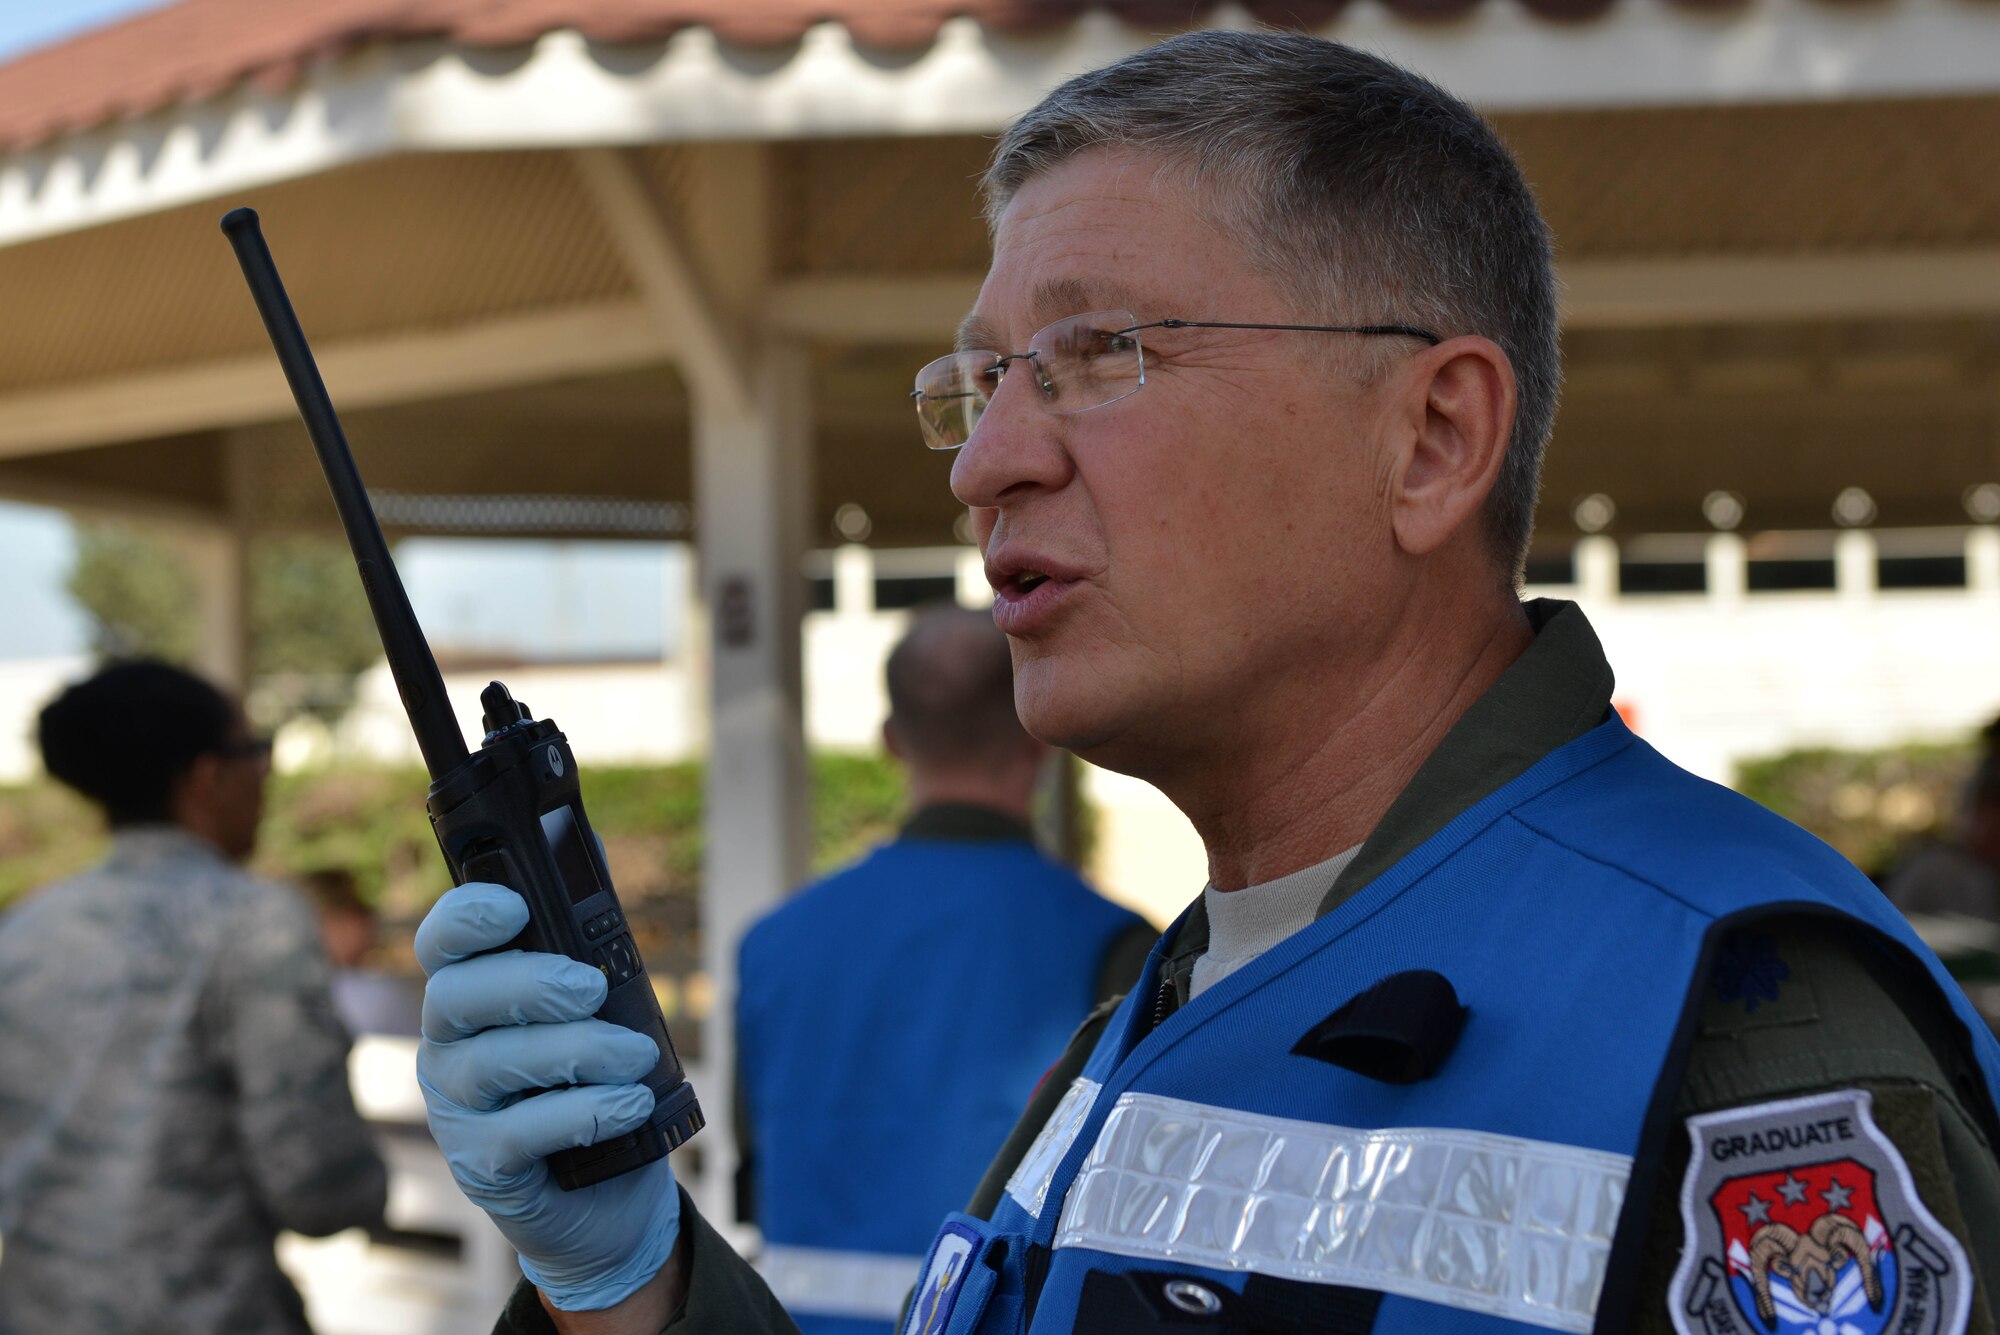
[1080, 363]
[1088, 361]
[951, 393]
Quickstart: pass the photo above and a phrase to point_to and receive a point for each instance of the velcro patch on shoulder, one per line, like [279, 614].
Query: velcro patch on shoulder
[1800, 1218]
[1753, 986]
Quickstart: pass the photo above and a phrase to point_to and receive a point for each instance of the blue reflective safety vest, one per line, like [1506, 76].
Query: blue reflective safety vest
[891, 1021]
[1203, 1167]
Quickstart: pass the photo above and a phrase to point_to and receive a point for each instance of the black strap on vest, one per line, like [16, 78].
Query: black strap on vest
[1399, 1031]
[1166, 1303]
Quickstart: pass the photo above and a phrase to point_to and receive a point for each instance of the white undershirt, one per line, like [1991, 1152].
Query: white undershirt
[1243, 924]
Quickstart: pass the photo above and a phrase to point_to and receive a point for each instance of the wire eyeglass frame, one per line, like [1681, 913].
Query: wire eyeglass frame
[953, 390]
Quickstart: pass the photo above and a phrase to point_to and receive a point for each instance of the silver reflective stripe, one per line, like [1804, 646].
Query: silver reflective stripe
[1515, 1228]
[1029, 1186]
[868, 1285]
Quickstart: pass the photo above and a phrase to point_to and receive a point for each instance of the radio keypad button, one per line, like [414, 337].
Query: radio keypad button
[618, 959]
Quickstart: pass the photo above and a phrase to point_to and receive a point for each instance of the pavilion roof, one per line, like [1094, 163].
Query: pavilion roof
[193, 51]
[1768, 274]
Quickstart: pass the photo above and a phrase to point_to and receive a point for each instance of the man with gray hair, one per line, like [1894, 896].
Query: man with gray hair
[835, 1006]
[1488, 1018]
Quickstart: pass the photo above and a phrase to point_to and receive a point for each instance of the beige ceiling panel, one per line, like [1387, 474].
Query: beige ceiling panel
[881, 206]
[402, 244]
[177, 477]
[1779, 178]
[1788, 456]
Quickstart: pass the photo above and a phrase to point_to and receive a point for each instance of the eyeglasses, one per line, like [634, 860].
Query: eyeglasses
[1083, 362]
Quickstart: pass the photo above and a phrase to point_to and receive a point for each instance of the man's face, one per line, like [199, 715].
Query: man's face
[240, 777]
[1217, 542]
[348, 937]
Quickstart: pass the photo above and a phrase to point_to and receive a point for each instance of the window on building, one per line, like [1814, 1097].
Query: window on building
[1921, 572]
[1640, 579]
[1790, 574]
[895, 593]
[1661, 564]
[1554, 568]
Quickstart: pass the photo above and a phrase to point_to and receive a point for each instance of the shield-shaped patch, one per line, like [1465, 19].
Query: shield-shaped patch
[1800, 1218]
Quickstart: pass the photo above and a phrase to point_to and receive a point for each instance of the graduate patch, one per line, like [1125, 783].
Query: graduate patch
[1800, 1218]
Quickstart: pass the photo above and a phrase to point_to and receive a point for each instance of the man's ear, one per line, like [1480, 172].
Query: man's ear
[1458, 411]
[890, 742]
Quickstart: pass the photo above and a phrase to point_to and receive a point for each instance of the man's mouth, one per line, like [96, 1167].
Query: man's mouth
[1024, 599]
[1027, 584]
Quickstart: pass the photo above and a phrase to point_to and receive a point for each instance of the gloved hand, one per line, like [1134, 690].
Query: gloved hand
[497, 1025]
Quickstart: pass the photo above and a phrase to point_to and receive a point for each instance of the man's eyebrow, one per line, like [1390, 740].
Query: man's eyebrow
[973, 332]
[1078, 296]
[1052, 300]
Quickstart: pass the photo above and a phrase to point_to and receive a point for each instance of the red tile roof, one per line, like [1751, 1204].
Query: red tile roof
[194, 50]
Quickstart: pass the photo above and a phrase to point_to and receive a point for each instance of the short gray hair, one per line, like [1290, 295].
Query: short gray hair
[1367, 192]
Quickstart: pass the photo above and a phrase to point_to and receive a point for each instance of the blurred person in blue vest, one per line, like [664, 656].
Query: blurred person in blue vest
[867, 1111]
[173, 1080]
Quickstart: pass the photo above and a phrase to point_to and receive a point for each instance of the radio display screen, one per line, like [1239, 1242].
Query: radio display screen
[565, 835]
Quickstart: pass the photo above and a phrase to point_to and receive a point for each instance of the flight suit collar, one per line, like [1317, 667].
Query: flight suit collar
[963, 822]
[1556, 691]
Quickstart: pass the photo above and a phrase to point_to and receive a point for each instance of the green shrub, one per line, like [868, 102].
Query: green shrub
[46, 832]
[372, 821]
[1868, 804]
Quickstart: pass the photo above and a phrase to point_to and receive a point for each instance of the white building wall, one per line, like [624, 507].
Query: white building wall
[26, 684]
[1712, 685]
[613, 713]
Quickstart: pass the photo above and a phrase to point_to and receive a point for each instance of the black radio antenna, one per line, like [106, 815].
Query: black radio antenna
[410, 660]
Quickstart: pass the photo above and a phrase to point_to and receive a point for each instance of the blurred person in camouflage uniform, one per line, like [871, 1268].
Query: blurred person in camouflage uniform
[173, 1085]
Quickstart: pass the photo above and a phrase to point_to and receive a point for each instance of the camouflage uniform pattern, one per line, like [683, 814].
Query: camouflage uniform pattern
[173, 1092]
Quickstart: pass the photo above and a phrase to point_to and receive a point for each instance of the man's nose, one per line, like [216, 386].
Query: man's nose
[1014, 449]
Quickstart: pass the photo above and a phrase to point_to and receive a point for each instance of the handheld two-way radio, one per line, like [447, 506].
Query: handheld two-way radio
[510, 812]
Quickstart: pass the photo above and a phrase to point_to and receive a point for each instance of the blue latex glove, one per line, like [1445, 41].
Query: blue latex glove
[497, 1025]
